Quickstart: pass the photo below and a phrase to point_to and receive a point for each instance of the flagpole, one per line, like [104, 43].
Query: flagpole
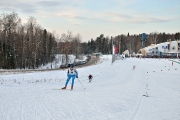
[113, 52]
[112, 49]
[112, 46]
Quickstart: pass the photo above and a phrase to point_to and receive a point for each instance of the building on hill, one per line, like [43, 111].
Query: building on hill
[166, 49]
[126, 53]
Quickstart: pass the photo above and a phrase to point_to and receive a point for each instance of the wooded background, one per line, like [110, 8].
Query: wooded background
[29, 45]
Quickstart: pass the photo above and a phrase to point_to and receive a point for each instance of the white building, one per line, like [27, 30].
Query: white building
[171, 48]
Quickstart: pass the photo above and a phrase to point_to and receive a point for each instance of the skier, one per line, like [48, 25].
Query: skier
[71, 73]
[90, 77]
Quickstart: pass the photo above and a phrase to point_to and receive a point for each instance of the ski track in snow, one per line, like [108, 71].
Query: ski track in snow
[116, 93]
[160, 89]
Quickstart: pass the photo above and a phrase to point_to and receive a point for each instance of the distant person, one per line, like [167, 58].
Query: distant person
[95, 61]
[71, 73]
[90, 77]
[134, 67]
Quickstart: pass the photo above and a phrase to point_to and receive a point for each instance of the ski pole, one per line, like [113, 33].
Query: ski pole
[81, 83]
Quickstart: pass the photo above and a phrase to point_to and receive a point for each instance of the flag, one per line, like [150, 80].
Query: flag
[114, 49]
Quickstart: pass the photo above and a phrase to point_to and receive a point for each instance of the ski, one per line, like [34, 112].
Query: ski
[61, 89]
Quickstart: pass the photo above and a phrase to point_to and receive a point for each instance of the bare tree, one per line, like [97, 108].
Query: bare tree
[77, 41]
[65, 41]
[153, 38]
[9, 23]
[23, 46]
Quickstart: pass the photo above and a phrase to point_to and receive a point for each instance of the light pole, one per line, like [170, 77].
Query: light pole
[119, 47]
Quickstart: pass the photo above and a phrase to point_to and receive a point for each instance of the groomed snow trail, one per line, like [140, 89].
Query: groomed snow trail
[116, 93]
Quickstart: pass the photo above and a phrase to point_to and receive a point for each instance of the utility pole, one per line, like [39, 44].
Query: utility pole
[119, 47]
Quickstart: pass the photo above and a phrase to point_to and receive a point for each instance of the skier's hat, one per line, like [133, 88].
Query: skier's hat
[71, 65]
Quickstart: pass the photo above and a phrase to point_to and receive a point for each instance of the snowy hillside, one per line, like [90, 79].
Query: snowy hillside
[117, 92]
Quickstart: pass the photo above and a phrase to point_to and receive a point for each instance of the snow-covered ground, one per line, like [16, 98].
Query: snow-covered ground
[116, 93]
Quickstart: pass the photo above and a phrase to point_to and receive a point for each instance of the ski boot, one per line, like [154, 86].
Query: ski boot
[63, 88]
[71, 87]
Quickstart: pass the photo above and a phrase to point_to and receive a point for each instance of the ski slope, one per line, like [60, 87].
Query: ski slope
[150, 92]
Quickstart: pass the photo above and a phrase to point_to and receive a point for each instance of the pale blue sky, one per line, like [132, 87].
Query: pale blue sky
[90, 18]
